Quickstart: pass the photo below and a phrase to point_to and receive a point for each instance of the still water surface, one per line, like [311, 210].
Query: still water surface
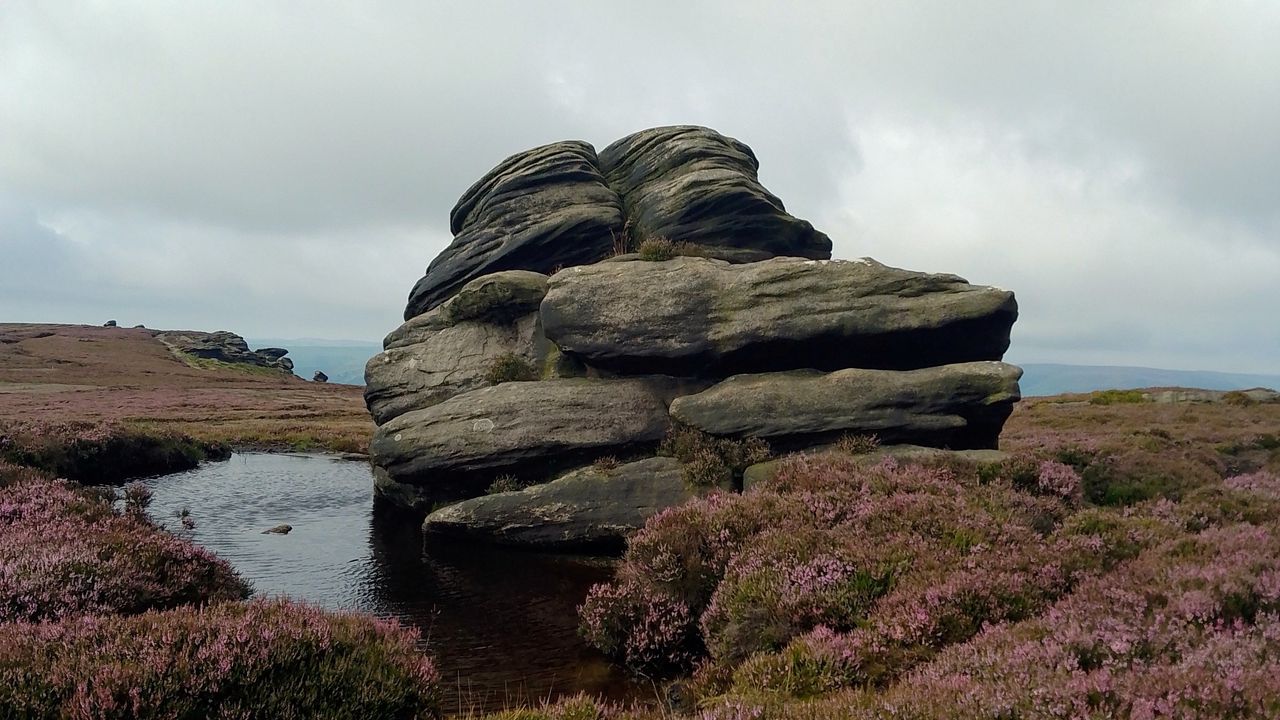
[501, 624]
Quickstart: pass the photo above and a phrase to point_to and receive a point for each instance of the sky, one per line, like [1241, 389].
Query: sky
[286, 169]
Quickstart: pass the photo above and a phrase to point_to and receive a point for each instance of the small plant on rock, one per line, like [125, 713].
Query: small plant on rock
[505, 483]
[857, 444]
[659, 249]
[607, 464]
[509, 367]
[709, 460]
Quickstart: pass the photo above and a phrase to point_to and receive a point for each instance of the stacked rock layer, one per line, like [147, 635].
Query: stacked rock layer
[543, 362]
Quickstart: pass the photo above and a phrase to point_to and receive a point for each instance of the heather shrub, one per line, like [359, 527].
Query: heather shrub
[269, 659]
[66, 552]
[1235, 397]
[101, 453]
[709, 460]
[830, 543]
[1190, 628]
[509, 367]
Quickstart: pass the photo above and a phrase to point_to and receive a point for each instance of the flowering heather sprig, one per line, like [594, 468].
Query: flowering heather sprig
[65, 552]
[233, 660]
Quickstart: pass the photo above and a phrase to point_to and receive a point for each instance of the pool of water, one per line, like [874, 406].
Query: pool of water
[501, 624]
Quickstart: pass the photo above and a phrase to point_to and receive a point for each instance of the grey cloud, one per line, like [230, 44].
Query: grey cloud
[1117, 165]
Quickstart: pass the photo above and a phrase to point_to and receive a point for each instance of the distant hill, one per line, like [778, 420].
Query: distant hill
[1053, 379]
[342, 360]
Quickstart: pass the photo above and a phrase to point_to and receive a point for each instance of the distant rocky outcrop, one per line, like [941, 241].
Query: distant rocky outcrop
[320, 377]
[226, 347]
[539, 351]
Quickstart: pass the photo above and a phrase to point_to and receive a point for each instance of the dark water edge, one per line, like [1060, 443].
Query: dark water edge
[501, 624]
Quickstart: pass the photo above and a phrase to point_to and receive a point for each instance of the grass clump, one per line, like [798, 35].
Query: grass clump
[607, 464]
[659, 249]
[505, 483]
[857, 444]
[1117, 397]
[510, 367]
[708, 460]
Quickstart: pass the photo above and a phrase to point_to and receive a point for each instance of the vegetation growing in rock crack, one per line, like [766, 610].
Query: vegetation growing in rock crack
[510, 367]
[505, 483]
[857, 443]
[658, 249]
[709, 461]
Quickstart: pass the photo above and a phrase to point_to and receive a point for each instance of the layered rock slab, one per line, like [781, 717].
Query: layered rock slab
[537, 210]
[705, 317]
[528, 429]
[449, 350]
[961, 406]
[691, 184]
[587, 509]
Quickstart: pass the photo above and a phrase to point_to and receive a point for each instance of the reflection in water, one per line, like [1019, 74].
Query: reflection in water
[501, 624]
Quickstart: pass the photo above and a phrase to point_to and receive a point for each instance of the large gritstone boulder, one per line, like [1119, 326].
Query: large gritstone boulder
[698, 316]
[692, 184]
[538, 210]
[527, 429]
[956, 406]
[451, 349]
[590, 508]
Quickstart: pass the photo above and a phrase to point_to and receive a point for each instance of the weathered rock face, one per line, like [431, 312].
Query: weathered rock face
[528, 429]
[451, 361]
[706, 317]
[957, 406]
[586, 509]
[761, 338]
[450, 349]
[692, 184]
[537, 210]
[225, 347]
[560, 205]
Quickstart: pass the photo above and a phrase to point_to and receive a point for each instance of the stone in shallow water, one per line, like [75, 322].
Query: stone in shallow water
[587, 509]
[961, 406]
[691, 184]
[706, 317]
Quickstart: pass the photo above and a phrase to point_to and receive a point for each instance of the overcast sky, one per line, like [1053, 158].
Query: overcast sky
[286, 169]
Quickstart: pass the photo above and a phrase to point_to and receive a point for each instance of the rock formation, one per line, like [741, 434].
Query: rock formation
[320, 377]
[224, 346]
[538, 350]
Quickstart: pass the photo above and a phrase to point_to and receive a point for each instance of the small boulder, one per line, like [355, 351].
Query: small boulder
[587, 509]
[109, 323]
[320, 377]
[281, 529]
